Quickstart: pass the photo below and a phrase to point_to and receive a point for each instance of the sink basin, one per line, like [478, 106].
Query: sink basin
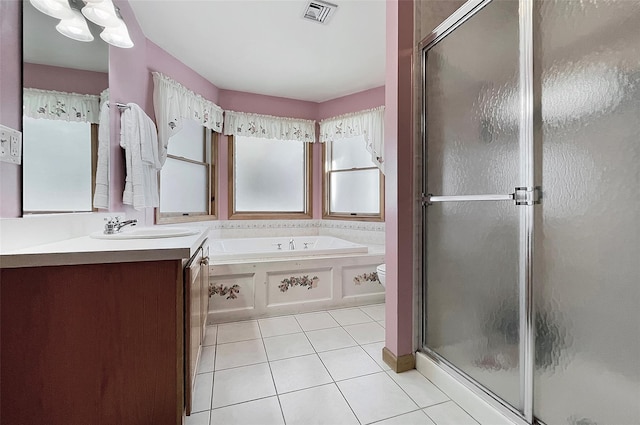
[148, 233]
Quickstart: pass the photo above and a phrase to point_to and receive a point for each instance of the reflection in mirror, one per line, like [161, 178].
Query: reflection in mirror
[65, 87]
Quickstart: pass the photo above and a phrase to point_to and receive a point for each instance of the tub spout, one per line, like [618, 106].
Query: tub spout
[292, 244]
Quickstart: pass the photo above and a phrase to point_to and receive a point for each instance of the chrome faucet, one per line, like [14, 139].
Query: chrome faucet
[292, 245]
[114, 225]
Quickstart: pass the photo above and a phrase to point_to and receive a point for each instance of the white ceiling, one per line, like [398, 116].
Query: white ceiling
[265, 47]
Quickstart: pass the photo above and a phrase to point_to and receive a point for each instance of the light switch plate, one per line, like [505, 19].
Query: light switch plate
[10, 145]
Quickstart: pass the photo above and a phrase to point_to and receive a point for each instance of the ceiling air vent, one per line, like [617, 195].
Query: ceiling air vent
[319, 11]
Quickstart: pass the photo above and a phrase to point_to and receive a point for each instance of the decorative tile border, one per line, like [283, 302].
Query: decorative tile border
[287, 283]
[223, 290]
[366, 277]
[297, 224]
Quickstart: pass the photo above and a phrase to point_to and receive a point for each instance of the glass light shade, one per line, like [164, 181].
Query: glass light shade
[101, 13]
[59, 9]
[75, 27]
[117, 36]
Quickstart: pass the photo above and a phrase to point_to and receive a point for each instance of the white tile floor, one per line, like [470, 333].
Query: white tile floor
[315, 368]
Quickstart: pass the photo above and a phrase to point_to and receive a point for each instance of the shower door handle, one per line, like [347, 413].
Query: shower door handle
[431, 199]
[521, 196]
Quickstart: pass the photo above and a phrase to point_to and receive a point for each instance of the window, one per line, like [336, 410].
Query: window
[58, 166]
[353, 183]
[270, 178]
[187, 179]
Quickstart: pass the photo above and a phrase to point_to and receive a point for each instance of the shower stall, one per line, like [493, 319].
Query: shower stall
[531, 206]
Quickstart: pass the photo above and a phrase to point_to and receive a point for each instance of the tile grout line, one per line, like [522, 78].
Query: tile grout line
[213, 377]
[401, 414]
[275, 388]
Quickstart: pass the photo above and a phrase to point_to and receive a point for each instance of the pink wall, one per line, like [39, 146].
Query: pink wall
[128, 83]
[352, 103]
[10, 101]
[267, 105]
[399, 196]
[70, 80]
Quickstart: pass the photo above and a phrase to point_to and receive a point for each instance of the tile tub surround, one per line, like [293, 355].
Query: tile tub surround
[319, 374]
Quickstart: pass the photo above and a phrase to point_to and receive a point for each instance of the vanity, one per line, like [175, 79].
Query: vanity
[101, 331]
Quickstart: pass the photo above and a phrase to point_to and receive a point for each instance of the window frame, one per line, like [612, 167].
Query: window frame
[212, 188]
[271, 215]
[326, 191]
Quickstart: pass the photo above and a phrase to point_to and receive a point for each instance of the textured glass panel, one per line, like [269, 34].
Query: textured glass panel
[57, 165]
[355, 192]
[350, 153]
[588, 265]
[472, 291]
[472, 101]
[269, 175]
[183, 187]
[472, 124]
[188, 142]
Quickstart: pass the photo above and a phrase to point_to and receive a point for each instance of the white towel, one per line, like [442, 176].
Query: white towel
[101, 194]
[139, 138]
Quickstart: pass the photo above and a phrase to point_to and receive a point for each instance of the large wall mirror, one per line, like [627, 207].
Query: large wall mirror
[65, 83]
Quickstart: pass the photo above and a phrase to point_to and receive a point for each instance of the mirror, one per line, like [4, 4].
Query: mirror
[64, 82]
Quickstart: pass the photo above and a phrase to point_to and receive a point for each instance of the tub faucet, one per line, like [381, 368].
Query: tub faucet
[114, 225]
[292, 245]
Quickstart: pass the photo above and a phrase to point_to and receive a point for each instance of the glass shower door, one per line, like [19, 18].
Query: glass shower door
[587, 296]
[473, 226]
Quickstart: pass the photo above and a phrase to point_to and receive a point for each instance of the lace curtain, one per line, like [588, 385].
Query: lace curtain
[55, 105]
[269, 127]
[368, 123]
[173, 102]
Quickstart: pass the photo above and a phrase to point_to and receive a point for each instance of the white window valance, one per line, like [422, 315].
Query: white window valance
[56, 105]
[368, 123]
[269, 127]
[173, 103]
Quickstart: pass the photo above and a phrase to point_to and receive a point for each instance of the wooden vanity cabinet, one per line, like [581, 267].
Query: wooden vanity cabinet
[196, 290]
[92, 344]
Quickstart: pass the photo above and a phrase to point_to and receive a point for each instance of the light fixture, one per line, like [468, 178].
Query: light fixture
[75, 27]
[59, 9]
[102, 13]
[73, 24]
[117, 36]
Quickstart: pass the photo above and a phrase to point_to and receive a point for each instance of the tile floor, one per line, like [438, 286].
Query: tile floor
[316, 368]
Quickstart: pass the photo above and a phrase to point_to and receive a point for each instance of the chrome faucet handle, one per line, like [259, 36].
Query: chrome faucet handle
[279, 245]
[114, 224]
[110, 227]
[306, 245]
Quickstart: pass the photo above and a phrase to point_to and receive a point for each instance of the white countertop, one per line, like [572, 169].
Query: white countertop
[87, 250]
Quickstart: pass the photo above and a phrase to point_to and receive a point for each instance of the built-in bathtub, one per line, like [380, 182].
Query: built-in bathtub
[260, 277]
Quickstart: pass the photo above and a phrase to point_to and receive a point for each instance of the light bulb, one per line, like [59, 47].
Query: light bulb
[59, 9]
[117, 36]
[75, 27]
[102, 13]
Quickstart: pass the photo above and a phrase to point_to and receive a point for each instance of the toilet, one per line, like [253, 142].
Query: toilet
[381, 270]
